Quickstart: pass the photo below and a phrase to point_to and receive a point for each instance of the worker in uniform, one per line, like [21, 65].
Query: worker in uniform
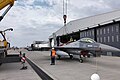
[23, 60]
[53, 53]
[20, 55]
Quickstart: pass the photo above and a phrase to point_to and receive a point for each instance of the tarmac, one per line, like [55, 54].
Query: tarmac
[11, 71]
[107, 67]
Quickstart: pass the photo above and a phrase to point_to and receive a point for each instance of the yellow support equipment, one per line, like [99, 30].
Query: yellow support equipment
[4, 3]
[4, 45]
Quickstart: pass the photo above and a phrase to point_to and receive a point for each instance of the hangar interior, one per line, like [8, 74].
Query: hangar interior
[103, 28]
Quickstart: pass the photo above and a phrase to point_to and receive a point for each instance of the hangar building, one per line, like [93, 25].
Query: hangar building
[103, 28]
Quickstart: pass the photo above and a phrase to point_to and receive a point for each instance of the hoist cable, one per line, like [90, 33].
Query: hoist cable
[63, 7]
[66, 7]
[65, 14]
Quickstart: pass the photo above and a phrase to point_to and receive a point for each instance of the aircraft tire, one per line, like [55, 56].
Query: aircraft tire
[88, 55]
[81, 60]
[71, 56]
[0, 64]
[59, 57]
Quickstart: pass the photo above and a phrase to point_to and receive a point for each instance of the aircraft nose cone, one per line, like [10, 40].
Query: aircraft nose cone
[108, 48]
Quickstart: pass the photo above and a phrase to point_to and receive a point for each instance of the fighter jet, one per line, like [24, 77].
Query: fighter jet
[83, 48]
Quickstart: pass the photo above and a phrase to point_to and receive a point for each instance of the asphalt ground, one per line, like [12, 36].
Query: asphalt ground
[11, 71]
[108, 67]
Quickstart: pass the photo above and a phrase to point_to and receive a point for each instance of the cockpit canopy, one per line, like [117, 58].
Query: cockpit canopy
[87, 40]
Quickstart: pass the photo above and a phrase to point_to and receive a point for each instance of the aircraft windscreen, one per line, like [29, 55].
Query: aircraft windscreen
[87, 40]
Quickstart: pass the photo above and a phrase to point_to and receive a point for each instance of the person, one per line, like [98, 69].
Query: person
[53, 53]
[23, 60]
[20, 55]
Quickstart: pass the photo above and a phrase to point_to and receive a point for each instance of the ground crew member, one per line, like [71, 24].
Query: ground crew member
[20, 55]
[53, 53]
[23, 60]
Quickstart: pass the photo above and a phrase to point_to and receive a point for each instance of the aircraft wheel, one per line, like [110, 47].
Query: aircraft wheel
[88, 55]
[0, 64]
[59, 56]
[71, 56]
[81, 60]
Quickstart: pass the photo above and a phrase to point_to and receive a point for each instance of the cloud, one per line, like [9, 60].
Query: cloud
[112, 3]
[83, 8]
[38, 19]
[43, 3]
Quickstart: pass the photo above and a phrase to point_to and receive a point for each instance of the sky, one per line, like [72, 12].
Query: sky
[36, 20]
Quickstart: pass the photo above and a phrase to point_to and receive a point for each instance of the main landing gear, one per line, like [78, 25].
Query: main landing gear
[71, 56]
[0, 64]
[80, 60]
[59, 57]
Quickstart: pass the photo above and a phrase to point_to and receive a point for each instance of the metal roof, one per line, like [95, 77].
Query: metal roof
[92, 21]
